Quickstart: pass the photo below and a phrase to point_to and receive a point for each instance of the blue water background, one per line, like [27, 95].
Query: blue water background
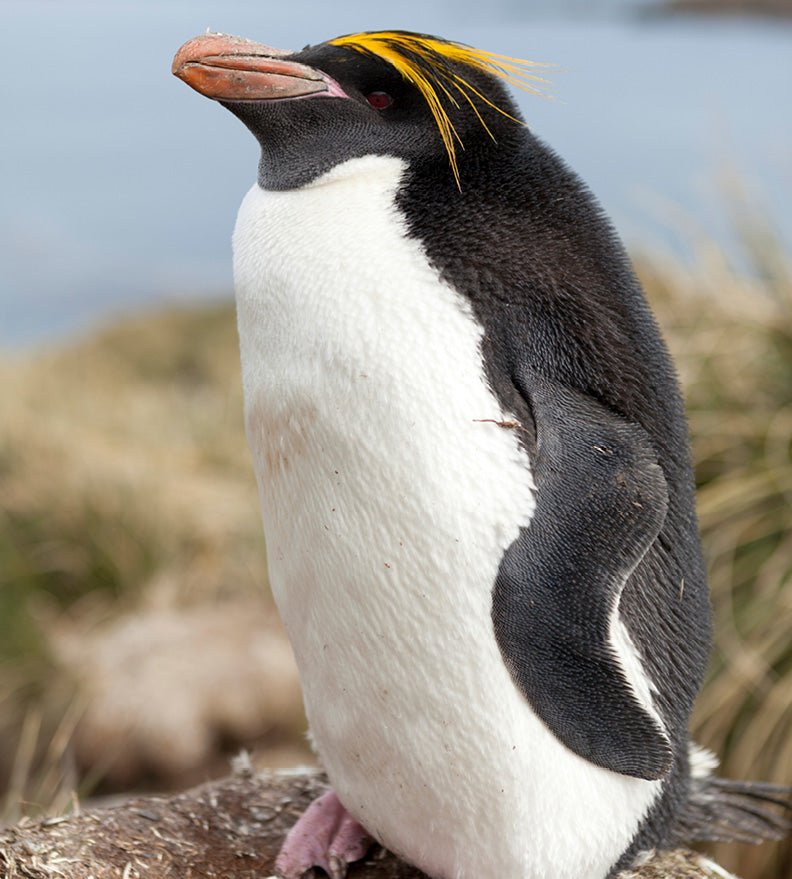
[119, 185]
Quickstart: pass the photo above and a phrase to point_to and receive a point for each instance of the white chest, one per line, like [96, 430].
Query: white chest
[388, 496]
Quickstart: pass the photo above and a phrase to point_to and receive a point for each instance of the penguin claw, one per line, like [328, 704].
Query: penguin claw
[325, 836]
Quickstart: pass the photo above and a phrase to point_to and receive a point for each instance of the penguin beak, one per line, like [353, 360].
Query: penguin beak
[228, 68]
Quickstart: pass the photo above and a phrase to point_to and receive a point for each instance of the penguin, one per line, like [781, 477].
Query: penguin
[474, 473]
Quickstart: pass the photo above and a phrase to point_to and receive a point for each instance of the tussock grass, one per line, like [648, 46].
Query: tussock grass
[731, 338]
[124, 481]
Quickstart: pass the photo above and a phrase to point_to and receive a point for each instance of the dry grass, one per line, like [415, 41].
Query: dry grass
[732, 342]
[125, 482]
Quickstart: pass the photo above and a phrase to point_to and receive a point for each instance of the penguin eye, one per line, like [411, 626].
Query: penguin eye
[379, 100]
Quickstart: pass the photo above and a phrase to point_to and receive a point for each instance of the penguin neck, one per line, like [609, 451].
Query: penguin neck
[340, 312]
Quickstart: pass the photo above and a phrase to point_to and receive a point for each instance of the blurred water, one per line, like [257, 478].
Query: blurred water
[120, 185]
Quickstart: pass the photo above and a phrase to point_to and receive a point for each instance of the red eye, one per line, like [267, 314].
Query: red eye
[379, 100]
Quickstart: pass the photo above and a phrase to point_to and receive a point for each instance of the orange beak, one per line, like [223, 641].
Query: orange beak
[228, 68]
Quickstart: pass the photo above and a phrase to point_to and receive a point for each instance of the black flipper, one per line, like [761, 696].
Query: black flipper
[601, 500]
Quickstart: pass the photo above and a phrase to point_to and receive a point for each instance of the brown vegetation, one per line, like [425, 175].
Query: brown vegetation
[231, 828]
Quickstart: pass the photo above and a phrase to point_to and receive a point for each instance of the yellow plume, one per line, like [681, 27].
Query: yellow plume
[426, 63]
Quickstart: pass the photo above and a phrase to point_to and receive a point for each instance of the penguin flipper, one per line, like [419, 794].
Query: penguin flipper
[601, 500]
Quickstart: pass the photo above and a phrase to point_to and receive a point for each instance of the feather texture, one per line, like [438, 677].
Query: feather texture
[432, 64]
[722, 810]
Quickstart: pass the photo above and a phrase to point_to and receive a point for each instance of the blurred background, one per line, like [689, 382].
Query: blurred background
[138, 643]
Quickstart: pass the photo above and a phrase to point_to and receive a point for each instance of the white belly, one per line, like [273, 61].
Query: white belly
[388, 496]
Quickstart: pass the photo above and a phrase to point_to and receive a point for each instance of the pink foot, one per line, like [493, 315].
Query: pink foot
[325, 836]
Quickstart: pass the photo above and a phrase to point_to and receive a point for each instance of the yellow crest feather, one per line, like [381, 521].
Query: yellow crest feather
[426, 63]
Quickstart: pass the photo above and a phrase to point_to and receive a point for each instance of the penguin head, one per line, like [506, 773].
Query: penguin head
[394, 93]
